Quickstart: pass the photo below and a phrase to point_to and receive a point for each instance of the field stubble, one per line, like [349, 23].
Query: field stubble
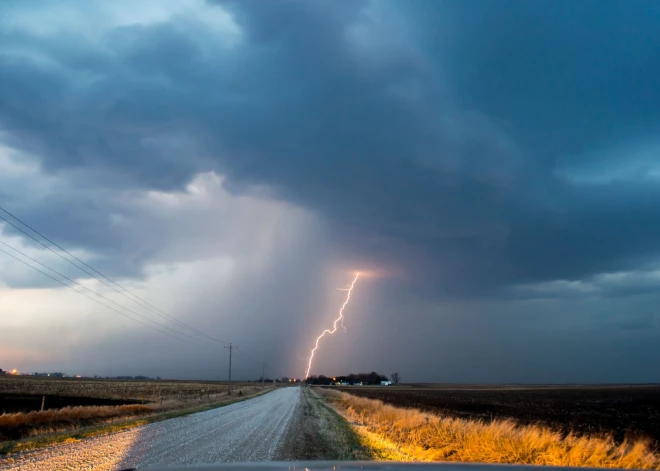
[112, 389]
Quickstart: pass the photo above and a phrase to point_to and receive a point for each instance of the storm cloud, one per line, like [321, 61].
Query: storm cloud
[494, 163]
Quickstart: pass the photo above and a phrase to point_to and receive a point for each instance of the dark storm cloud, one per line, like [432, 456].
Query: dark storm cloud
[570, 80]
[435, 138]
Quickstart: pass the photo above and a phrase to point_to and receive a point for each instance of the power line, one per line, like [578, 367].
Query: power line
[80, 268]
[93, 299]
[135, 298]
[156, 329]
[94, 292]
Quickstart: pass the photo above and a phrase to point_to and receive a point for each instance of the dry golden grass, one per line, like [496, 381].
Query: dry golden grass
[409, 434]
[21, 424]
[71, 414]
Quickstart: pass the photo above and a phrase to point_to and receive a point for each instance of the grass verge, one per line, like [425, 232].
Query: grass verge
[19, 425]
[411, 435]
[338, 437]
[33, 443]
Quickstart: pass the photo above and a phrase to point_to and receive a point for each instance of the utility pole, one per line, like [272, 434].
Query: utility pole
[263, 369]
[230, 347]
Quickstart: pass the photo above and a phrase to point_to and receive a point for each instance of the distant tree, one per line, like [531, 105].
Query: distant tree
[396, 378]
[320, 380]
[353, 378]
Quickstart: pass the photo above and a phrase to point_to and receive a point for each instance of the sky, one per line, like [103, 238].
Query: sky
[491, 167]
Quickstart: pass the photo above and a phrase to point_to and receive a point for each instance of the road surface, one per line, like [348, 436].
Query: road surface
[251, 430]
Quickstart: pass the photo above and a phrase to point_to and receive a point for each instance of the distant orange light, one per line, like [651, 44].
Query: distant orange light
[77, 376]
[334, 379]
[14, 371]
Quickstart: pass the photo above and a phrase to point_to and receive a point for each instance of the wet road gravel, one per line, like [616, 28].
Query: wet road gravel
[251, 430]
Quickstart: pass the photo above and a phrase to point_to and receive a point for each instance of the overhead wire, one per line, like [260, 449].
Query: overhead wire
[136, 299]
[143, 303]
[97, 294]
[174, 336]
[93, 299]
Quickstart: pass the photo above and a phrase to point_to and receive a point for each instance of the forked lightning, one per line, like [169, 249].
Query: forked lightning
[340, 319]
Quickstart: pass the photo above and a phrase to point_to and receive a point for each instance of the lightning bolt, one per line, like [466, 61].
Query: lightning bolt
[347, 288]
[339, 319]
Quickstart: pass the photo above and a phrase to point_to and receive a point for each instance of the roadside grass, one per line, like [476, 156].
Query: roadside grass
[400, 434]
[80, 433]
[336, 433]
[20, 425]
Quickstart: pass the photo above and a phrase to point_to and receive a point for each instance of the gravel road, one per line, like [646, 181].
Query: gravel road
[252, 430]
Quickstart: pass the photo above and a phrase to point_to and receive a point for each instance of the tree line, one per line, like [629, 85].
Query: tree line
[353, 378]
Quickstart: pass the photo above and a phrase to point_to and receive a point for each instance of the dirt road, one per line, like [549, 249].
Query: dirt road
[252, 430]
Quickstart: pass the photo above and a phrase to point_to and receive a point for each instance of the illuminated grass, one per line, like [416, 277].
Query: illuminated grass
[411, 435]
[68, 416]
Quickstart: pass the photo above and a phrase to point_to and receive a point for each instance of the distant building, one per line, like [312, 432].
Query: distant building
[386, 383]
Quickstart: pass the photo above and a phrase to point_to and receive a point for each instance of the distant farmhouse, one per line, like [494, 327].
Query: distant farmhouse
[386, 383]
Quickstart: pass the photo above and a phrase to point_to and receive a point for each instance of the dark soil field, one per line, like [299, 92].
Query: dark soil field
[10, 403]
[632, 411]
[124, 390]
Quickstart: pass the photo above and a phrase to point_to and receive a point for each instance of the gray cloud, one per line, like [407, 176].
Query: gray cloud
[470, 151]
[316, 102]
